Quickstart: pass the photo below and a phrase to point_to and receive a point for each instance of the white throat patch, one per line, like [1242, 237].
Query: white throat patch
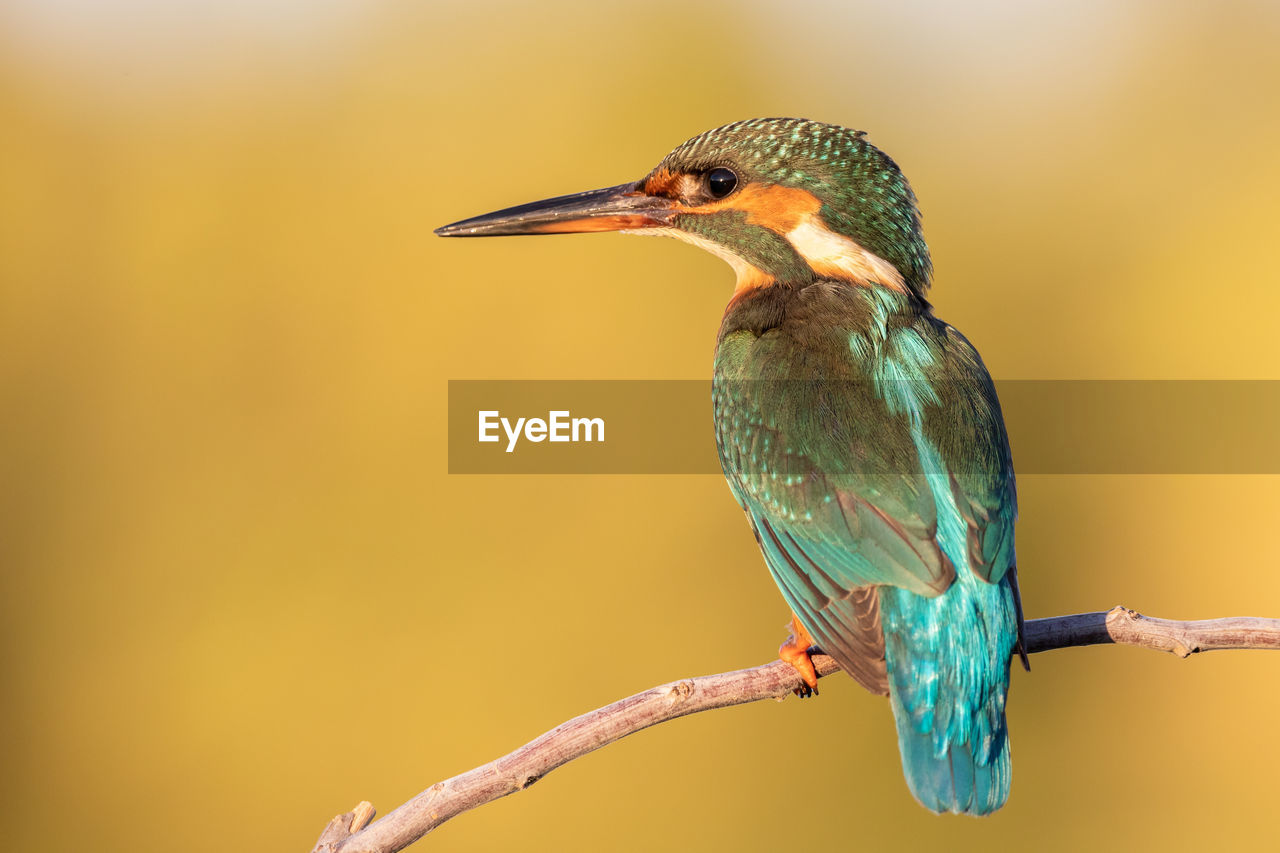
[837, 256]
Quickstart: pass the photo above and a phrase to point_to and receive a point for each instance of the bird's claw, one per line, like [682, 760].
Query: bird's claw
[795, 651]
[804, 691]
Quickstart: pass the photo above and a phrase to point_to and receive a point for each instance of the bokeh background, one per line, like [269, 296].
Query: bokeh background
[241, 592]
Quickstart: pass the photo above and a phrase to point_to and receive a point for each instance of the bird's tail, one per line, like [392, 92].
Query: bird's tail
[957, 778]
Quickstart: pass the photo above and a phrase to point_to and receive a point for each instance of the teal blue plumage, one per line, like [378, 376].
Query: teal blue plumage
[871, 459]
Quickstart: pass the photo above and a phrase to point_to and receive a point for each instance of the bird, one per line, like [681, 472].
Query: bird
[861, 435]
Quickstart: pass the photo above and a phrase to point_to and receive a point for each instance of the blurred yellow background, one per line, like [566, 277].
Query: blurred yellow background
[241, 592]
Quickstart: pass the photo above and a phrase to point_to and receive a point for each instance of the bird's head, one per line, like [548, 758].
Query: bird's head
[784, 201]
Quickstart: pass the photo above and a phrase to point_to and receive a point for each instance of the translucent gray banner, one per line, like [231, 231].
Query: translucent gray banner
[1055, 427]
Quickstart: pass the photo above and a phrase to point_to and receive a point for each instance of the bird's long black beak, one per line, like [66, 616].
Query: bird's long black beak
[619, 208]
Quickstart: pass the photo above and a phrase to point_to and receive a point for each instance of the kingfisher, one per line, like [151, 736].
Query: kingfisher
[861, 435]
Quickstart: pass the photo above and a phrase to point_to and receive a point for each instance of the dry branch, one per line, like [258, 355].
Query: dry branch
[518, 770]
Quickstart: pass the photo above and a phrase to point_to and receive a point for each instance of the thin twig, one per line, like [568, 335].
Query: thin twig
[587, 733]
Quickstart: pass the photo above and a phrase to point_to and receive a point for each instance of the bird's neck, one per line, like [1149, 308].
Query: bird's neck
[808, 307]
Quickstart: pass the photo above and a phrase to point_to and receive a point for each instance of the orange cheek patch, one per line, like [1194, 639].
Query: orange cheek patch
[777, 208]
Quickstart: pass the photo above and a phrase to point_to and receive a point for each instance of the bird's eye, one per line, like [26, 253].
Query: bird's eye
[721, 182]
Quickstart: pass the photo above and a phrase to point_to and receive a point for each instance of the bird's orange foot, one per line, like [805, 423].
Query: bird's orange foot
[795, 651]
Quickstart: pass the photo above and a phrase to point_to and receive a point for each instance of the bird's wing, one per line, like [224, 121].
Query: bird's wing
[832, 478]
[829, 537]
[965, 424]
